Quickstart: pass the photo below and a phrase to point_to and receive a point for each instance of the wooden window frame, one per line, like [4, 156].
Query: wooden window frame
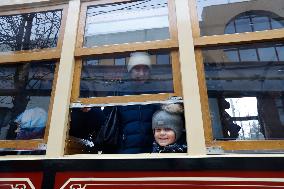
[124, 47]
[170, 45]
[36, 55]
[217, 41]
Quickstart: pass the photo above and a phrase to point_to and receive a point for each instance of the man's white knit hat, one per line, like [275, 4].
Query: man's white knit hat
[138, 58]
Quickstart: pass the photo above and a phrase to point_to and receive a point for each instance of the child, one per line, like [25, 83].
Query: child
[168, 128]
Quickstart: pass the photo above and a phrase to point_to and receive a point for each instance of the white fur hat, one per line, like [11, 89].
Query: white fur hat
[138, 58]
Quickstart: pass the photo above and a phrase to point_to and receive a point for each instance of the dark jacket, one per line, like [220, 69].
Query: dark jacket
[136, 128]
[180, 146]
[84, 123]
[172, 148]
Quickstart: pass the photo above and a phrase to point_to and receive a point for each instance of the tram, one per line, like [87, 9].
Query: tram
[82, 83]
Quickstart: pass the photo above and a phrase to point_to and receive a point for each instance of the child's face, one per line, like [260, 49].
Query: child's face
[164, 136]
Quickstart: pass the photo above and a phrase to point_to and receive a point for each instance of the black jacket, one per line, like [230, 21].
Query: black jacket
[136, 128]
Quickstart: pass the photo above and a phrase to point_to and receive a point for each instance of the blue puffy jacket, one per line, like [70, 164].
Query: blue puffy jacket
[136, 128]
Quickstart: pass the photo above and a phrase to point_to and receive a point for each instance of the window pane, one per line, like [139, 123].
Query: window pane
[243, 25]
[24, 99]
[141, 75]
[248, 55]
[30, 31]
[137, 21]
[267, 54]
[277, 24]
[230, 28]
[217, 17]
[246, 97]
[139, 128]
[232, 55]
[280, 52]
[163, 59]
[261, 23]
[119, 61]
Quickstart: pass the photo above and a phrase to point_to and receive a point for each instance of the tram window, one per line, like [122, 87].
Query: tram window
[102, 76]
[217, 17]
[24, 99]
[140, 128]
[141, 20]
[125, 68]
[36, 30]
[245, 96]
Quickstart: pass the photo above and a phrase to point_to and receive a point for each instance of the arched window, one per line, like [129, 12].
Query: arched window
[252, 21]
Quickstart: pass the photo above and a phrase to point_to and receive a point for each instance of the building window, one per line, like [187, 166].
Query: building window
[252, 21]
[216, 17]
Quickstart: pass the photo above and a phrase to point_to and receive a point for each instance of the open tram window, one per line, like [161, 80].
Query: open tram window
[138, 128]
[128, 68]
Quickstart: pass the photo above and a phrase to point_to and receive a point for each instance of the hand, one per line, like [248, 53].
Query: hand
[85, 109]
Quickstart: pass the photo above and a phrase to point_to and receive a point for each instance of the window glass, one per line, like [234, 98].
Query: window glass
[268, 54]
[280, 52]
[233, 54]
[136, 21]
[261, 23]
[250, 53]
[119, 61]
[30, 31]
[163, 59]
[24, 99]
[243, 25]
[245, 97]
[138, 128]
[143, 73]
[230, 28]
[217, 17]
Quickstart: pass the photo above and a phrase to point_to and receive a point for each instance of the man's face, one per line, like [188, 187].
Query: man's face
[140, 73]
[164, 136]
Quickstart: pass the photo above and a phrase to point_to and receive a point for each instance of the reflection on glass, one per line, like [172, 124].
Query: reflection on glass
[137, 21]
[143, 73]
[30, 31]
[24, 99]
[260, 52]
[246, 97]
[217, 17]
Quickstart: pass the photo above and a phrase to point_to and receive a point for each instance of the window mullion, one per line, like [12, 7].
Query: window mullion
[193, 118]
[59, 119]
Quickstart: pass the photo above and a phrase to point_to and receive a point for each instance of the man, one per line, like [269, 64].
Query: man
[135, 121]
